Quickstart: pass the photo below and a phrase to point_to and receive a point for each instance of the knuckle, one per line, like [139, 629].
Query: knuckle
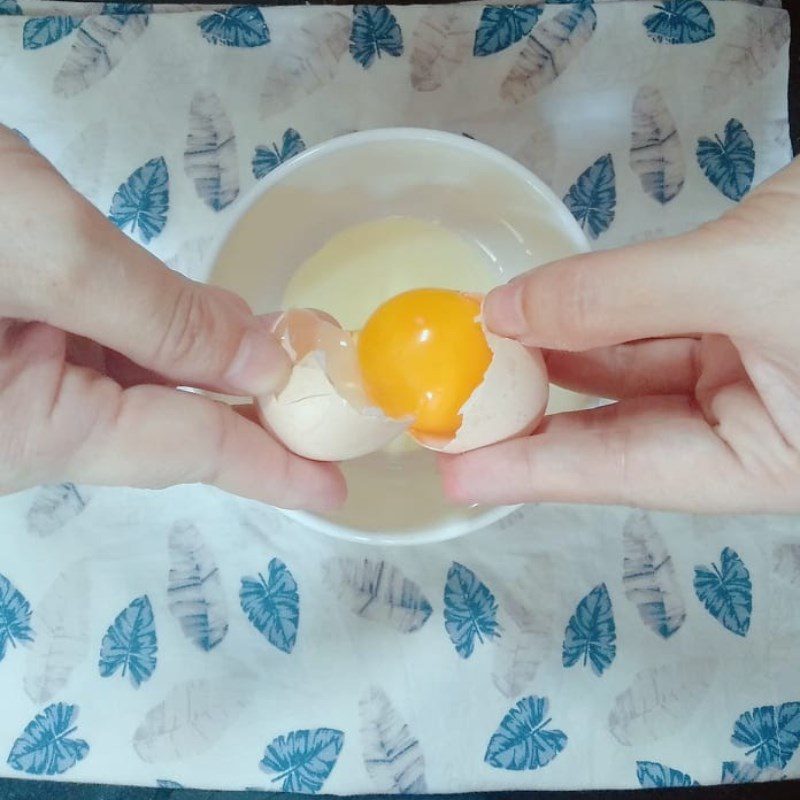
[192, 322]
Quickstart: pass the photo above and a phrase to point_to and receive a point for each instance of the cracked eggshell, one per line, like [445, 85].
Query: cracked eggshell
[510, 401]
[322, 412]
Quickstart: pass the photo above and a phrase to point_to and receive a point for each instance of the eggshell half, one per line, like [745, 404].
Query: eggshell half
[322, 413]
[509, 402]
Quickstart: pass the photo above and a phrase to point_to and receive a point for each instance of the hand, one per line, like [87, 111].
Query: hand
[95, 335]
[697, 337]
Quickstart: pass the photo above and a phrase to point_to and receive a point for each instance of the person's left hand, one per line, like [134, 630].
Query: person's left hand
[95, 336]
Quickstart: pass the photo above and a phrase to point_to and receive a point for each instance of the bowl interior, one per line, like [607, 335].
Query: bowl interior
[490, 200]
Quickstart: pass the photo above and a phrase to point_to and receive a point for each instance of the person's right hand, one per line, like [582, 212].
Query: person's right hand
[95, 336]
[697, 337]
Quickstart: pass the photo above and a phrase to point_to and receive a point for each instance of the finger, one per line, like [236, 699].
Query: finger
[84, 352]
[153, 437]
[687, 283]
[648, 453]
[651, 367]
[78, 272]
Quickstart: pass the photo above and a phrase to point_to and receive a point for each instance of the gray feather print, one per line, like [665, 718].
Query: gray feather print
[440, 43]
[53, 507]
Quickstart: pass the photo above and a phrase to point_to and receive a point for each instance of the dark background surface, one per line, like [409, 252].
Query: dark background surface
[786, 790]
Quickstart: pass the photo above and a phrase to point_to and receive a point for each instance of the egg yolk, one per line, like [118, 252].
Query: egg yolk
[422, 354]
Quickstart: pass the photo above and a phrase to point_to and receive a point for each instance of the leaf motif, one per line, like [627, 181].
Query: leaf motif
[304, 759]
[378, 591]
[235, 26]
[649, 577]
[210, 158]
[195, 592]
[772, 733]
[726, 593]
[375, 31]
[15, 617]
[660, 701]
[526, 623]
[730, 163]
[62, 636]
[267, 159]
[306, 59]
[745, 772]
[43, 31]
[470, 610]
[273, 605]
[592, 199]
[142, 202]
[523, 740]
[191, 718]
[97, 47]
[53, 507]
[656, 150]
[441, 42]
[501, 27]
[680, 22]
[131, 644]
[746, 56]
[162, 784]
[653, 775]
[45, 746]
[591, 635]
[393, 758]
[9, 8]
[549, 50]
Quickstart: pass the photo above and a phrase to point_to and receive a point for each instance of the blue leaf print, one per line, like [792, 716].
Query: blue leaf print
[653, 775]
[745, 772]
[303, 760]
[730, 163]
[267, 158]
[375, 31]
[726, 592]
[195, 592]
[771, 732]
[43, 31]
[15, 617]
[142, 202]
[523, 740]
[130, 643]
[591, 635]
[45, 747]
[237, 26]
[273, 605]
[592, 199]
[502, 26]
[9, 7]
[210, 158]
[470, 610]
[162, 784]
[680, 22]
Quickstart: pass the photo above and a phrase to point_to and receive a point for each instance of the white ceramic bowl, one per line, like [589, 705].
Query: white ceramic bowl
[468, 187]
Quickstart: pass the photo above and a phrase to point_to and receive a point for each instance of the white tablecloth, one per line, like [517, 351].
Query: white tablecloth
[189, 636]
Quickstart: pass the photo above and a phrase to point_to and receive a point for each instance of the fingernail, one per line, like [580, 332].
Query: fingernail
[261, 365]
[502, 310]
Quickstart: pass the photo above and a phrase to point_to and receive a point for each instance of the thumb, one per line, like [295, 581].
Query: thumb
[662, 288]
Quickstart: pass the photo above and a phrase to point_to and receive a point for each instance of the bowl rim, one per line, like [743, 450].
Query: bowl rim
[449, 529]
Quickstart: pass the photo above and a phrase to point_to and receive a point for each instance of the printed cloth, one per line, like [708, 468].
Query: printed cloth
[190, 637]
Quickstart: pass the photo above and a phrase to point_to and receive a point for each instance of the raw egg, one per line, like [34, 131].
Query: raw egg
[423, 363]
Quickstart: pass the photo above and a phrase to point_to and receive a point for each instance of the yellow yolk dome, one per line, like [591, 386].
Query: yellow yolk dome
[422, 354]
